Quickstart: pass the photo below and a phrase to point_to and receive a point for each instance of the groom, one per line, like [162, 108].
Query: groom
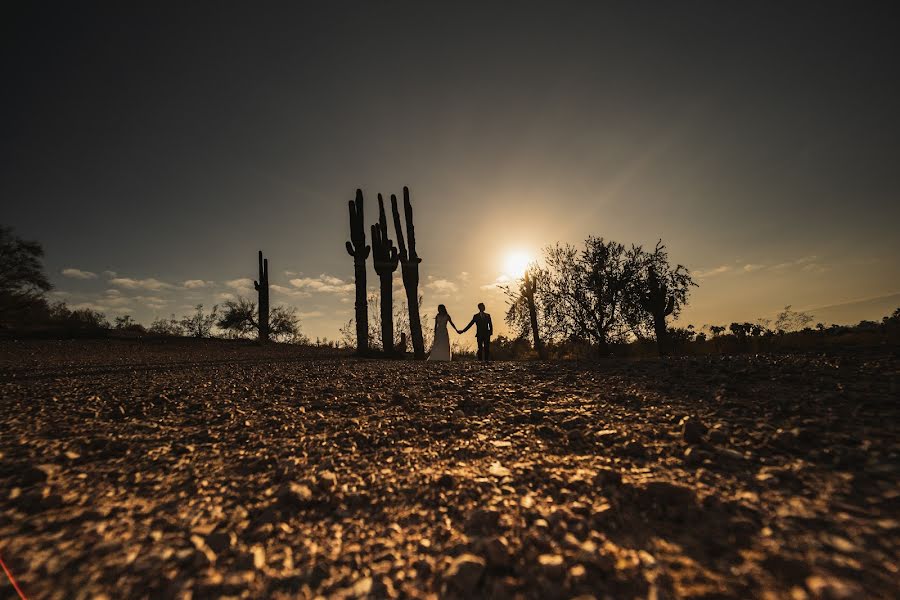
[484, 328]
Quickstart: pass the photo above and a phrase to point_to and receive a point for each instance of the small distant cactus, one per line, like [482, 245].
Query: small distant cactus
[358, 249]
[659, 303]
[386, 259]
[262, 288]
[409, 263]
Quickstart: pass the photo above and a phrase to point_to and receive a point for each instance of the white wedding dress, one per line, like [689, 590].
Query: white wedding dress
[440, 349]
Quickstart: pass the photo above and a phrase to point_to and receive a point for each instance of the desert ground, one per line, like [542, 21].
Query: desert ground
[208, 469]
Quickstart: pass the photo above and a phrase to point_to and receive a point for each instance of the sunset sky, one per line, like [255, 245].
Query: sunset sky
[153, 150]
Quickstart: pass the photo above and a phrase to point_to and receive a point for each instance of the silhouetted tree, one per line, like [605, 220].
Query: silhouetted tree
[588, 290]
[386, 258]
[525, 313]
[239, 319]
[660, 291]
[170, 326]
[22, 278]
[126, 323]
[792, 320]
[409, 268]
[200, 324]
[358, 249]
[262, 288]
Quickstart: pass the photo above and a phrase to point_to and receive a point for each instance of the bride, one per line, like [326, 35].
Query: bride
[440, 349]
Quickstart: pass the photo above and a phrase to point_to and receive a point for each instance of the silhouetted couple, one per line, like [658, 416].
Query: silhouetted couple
[484, 328]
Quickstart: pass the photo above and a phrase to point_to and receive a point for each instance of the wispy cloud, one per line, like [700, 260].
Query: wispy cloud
[140, 284]
[311, 314]
[74, 273]
[326, 284]
[243, 284]
[502, 280]
[441, 287]
[749, 268]
[707, 273]
[194, 284]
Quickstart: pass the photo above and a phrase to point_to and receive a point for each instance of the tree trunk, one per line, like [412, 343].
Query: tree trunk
[411, 285]
[387, 314]
[662, 334]
[532, 313]
[362, 308]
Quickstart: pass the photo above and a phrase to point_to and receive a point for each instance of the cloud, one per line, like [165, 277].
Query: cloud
[225, 296]
[109, 274]
[78, 273]
[140, 284]
[497, 283]
[795, 263]
[441, 286]
[288, 291]
[749, 268]
[464, 276]
[193, 284]
[244, 284]
[705, 273]
[326, 284]
[311, 314]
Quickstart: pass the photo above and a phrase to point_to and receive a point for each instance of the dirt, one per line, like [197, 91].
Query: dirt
[188, 469]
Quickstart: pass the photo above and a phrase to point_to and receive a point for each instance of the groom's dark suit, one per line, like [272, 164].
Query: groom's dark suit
[484, 328]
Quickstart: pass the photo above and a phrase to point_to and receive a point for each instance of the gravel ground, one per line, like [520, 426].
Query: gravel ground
[187, 469]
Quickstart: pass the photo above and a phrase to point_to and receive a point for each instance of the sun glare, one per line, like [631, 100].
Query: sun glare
[516, 263]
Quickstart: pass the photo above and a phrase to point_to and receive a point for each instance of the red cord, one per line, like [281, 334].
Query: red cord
[12, 580]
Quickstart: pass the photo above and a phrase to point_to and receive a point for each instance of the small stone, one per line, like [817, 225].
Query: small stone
[498, 470]
[483, 519]
[219, 541]
[295, 494]
[552, 565]
[693, 430]
[465, 572]
[496, 549]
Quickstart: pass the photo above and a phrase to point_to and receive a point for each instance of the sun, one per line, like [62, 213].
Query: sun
[516, 263]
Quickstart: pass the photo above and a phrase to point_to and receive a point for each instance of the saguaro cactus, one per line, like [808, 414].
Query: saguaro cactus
[360, 252]
[658, 302]
[386, 259]
[409, 268]
[262, 288]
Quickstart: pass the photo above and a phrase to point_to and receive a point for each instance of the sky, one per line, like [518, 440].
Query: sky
[154, 148]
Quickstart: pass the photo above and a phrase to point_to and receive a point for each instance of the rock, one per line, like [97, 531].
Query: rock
[498, 470]
[465, 573]
[483, 520]
[607, 477]
[30, 475]
[496, 549]
[553, 566]
[295, 495]
[220, 541]
[446, 481]
[693, 430]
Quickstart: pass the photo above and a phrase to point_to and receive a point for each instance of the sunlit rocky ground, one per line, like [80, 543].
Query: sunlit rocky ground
[195, 470]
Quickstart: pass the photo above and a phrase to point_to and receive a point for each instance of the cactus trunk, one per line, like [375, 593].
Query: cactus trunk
[262, 289]
[409, 263]
[659, 304]
[360, 252]
[386, 259]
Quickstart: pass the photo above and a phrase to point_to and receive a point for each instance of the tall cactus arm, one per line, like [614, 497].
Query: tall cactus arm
[398, 229]
[410, 227]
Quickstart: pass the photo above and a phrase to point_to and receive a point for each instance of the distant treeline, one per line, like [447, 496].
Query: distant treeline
[25, 309]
